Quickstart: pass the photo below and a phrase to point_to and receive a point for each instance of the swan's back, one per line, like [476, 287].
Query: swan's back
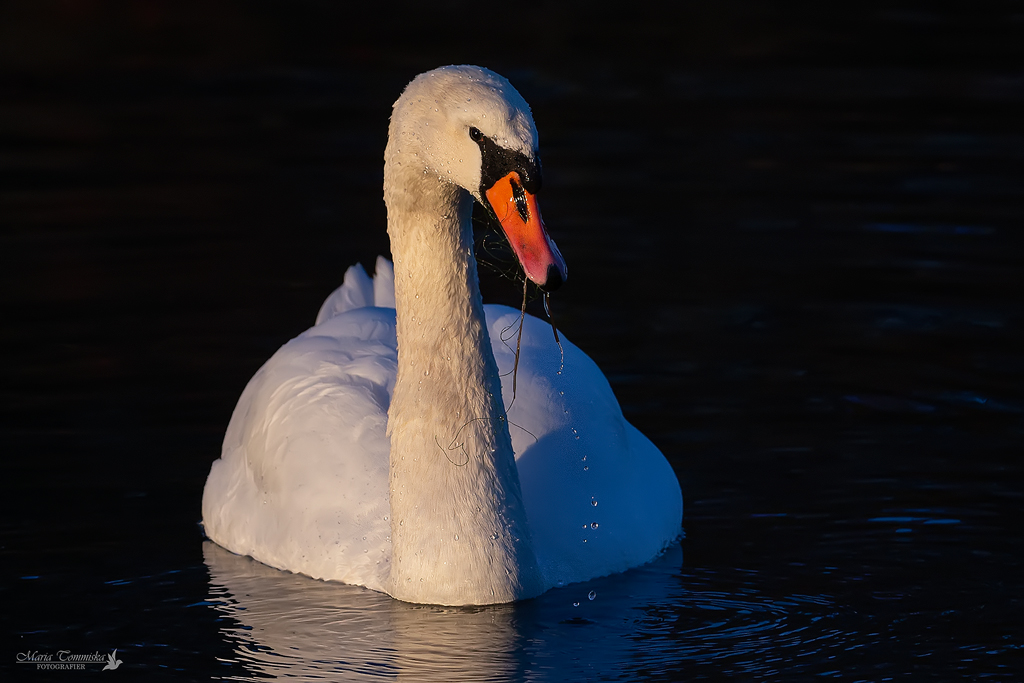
[302, 482]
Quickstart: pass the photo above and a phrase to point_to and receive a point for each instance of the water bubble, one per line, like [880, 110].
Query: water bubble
[561, 393]
[593, 525]
[593, 501]
[586, 467]
[592, 594]
[575, 604]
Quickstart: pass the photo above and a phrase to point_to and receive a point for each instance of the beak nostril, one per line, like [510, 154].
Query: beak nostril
[519, 197]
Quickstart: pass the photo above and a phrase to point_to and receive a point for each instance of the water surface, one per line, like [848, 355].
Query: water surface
[796, 249]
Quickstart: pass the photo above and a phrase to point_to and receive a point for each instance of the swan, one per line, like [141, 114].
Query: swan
[382, 447]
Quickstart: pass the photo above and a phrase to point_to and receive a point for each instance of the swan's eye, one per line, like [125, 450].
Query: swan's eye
[475, 135]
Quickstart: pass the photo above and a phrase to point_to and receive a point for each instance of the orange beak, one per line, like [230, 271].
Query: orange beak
[519, 215]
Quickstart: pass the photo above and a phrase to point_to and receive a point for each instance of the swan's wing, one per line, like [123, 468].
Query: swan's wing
[359, 291]
[599, 495]
[384, 283]
[356, 291]
[304, 465]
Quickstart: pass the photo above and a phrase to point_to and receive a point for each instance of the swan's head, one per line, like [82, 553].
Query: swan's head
[471, 128]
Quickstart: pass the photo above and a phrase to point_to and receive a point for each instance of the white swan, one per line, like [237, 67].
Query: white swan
[375, 449]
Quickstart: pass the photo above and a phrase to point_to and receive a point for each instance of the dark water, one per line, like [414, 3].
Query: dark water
[796, 243]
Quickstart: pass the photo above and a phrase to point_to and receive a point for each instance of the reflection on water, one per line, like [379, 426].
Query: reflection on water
[656, 619]
[285, 623]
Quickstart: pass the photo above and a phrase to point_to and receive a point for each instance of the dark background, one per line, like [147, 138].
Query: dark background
[794, 233]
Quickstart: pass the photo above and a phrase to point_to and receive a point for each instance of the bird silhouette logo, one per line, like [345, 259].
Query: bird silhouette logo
[112, 661]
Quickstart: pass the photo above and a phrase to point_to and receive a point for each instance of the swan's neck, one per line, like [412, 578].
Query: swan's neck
[459, 530]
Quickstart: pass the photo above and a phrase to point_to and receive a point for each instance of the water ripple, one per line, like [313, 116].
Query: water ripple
[662, 619]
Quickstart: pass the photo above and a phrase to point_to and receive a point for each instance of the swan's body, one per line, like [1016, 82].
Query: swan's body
[374, 448]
